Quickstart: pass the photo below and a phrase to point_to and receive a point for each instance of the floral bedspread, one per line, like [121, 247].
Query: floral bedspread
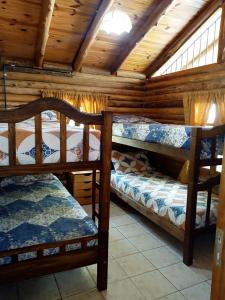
[163, 195]
[173, 135]
[36, 210]
[25, 143]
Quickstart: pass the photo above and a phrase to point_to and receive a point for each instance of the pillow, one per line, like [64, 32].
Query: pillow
[132, 119]
[48, 115]
[183, 176]
[130, 162]
[25, 179]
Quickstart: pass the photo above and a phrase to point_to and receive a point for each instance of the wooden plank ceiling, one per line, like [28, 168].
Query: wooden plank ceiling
[67, 31]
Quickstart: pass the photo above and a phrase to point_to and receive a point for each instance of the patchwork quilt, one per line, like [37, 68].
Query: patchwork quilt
[37, 210]
[178, 136]
[25, 143]
[163, 195]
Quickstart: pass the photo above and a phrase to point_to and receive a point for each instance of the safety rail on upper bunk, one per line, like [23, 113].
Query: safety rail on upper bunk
[34, 109]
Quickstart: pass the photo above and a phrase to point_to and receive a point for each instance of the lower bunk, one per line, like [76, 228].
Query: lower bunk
[43, 229]
[163, 200]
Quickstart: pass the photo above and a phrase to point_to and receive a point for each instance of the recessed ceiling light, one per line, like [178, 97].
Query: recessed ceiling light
[116, 21]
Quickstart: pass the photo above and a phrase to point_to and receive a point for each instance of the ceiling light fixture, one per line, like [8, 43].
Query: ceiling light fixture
[116, 21]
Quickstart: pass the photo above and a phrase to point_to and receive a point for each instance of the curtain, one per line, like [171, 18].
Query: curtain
[220, 107]
[86, 102]
[196, 108]
[70, 97]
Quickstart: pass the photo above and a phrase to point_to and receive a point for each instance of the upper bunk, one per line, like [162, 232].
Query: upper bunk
[171, 140]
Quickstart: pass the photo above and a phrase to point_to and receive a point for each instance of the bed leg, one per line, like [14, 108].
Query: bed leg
[188, 247]
[102, 265]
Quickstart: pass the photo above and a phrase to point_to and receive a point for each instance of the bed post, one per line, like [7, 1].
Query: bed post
[104, 201]
[192, 196]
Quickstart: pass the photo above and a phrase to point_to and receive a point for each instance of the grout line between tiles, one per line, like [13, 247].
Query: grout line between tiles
[57, 286]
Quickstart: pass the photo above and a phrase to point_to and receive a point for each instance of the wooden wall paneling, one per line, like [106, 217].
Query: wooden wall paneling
[91, 34]
[43, 33]
[19, 23]
[155, 11]
[182, 37]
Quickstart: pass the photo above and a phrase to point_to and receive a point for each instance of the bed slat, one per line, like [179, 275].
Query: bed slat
[86, 143]
[12, 144]
[38, 139]
[62, 138]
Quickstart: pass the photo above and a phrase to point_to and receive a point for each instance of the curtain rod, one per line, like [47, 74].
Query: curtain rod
[34, 70]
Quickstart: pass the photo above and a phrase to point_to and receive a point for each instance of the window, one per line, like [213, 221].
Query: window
[116, 21]
[201, 49]
[212, 115]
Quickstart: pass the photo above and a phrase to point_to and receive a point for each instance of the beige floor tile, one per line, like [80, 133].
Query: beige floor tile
[8, 292]
[92, 295]
[116, 211]
[115, 235]
[197, 292]
[203, 265]
[145, 242]
[115, 272]
[161, 257]
[122, 290]
[41, 288]
[135, 264]
[181, 276]
[121, 220]
[153, 285]
[121, 248]
[131, 230]
[74, 282]
[175, 296]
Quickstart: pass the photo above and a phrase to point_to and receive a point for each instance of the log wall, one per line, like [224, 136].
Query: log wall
[167, 91]
[123, 92]
[160, 98]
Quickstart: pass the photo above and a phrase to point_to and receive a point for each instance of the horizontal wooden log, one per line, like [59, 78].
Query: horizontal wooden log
[72, 80]
[166, 111]
[150, 104]
[207, 69]
[66, 86]
[107, 91]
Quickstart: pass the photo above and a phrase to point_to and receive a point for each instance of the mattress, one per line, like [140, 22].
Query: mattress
[163, 195]
[37, 210]
[25, 143]
[178, 136]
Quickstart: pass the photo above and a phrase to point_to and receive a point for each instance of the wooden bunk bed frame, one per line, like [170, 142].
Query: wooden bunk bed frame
[41, 265]
[194, 186]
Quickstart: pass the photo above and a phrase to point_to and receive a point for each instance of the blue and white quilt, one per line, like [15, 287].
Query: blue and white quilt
[178, 136]
[37, 210]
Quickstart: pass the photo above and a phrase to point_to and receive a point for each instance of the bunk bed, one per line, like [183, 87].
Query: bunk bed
[202, 146]
[43, 229]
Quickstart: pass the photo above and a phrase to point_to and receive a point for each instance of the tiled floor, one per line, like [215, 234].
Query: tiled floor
[145, 263]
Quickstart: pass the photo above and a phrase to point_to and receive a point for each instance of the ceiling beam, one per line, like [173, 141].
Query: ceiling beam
[183, 36]
[91, 33]
[154, 13]
[43, 33]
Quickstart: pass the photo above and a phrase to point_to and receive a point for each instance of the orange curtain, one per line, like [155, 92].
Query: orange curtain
[70, 97]
[220, 107]
[196, 108]
[86, 102]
